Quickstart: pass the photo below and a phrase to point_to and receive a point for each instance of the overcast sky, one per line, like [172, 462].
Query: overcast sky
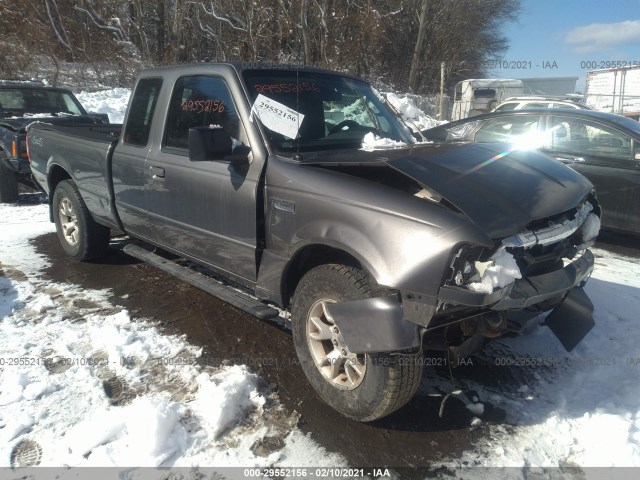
[570, 37]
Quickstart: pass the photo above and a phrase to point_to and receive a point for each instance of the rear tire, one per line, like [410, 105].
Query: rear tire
[80, 235]
[363, 387]
[8, 184]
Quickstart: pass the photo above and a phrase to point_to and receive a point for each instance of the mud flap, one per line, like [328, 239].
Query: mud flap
[572, 319]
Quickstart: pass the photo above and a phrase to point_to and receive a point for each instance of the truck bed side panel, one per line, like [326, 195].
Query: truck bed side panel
[84, 153]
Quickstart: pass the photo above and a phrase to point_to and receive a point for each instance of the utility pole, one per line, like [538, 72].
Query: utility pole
[441, 106]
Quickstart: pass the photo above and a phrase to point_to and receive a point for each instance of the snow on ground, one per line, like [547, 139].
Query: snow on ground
[90, 384]
[576, 409]
[84, 383]
[112, 102]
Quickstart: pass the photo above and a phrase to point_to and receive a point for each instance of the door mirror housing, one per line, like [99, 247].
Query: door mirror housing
[209, 143]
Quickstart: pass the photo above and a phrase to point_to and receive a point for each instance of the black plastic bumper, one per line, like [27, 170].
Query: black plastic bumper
[374, 325]
[17, 165]
[524, 292]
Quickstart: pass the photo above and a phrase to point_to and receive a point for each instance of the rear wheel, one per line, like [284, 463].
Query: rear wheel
[8, 184]
[80, 235]
[364, 387]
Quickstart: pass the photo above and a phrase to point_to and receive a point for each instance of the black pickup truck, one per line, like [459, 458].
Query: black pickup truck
[302, 187]
[22, 102]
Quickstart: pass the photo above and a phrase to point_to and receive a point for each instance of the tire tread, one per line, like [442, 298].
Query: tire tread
[403, 377]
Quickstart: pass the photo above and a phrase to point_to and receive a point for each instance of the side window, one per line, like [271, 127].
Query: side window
[574, 136]
[141, 110]
[506, 106]
[484, 93]
[198, 101]
[508, 128]
[527, 106]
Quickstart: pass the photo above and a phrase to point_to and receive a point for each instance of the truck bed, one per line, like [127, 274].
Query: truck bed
[77, 148]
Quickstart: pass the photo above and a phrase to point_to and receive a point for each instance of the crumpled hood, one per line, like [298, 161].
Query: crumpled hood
[500, 190]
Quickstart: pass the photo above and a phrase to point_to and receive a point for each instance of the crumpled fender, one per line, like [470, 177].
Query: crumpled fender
[374, 325]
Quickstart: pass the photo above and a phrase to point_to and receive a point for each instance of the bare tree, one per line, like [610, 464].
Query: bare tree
[417, 51]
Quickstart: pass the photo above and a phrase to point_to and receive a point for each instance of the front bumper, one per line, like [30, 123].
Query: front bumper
[380, 324]
[525, 292]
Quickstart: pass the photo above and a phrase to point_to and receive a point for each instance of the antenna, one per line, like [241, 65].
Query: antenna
[298, 110]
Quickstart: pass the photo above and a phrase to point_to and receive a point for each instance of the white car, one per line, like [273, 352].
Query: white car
[526, 103]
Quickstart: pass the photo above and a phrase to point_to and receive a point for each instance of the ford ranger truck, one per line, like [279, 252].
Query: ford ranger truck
[304, 189]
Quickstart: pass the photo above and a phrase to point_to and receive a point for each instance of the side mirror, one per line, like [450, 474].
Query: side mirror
[209, 143]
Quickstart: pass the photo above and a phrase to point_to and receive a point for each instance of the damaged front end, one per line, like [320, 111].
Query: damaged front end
[489, 292]
[539, 269]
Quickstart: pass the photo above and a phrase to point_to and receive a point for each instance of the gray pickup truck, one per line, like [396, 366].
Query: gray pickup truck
[305, 189]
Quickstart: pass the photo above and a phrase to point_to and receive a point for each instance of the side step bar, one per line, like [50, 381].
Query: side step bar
[226, 294]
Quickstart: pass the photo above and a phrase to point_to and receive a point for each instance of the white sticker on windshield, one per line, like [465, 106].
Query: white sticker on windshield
[276, 116]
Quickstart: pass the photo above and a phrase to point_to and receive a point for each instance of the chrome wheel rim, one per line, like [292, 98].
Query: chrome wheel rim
[340, 367]
[69, 222]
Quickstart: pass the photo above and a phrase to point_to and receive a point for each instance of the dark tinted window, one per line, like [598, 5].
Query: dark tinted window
[25, 101]
[197, 101]
[141, 111]
[506, 106]
[527, 106]
[576, 136]
[484, 93]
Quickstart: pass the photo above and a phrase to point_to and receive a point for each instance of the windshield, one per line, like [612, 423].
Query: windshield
[306, 111]
[17, 102]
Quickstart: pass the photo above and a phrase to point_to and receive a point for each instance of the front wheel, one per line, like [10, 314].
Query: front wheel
[364, 387]
[80, 235]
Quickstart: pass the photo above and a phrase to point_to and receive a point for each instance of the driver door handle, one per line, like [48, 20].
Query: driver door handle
[157, 172]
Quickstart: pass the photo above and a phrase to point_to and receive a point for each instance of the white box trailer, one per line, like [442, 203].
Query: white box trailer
[614, 90]
[481, 95]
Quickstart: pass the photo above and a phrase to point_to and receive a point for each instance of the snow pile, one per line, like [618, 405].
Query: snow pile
[225, 396]
[112, 102]
[372, 141]
[502, 270]
[575, 409]
[410, 111]
[89, 385]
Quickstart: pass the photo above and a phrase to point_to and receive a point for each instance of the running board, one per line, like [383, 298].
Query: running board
[226, 294]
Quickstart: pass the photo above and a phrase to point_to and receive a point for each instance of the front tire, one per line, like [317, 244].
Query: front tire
[363, 387]
[80, 235]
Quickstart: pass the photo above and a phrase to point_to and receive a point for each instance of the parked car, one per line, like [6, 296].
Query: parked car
[604, 147]
[527, 103]
[22, 102]
[303, 187]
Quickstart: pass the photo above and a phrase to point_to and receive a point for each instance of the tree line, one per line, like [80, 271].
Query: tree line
[397, 43]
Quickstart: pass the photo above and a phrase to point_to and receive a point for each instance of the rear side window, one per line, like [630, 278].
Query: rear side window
[484, 93]
[527, 106]
[141, 111]
[577, 136]
[197, 101]
[506, 106]
[508, 129]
